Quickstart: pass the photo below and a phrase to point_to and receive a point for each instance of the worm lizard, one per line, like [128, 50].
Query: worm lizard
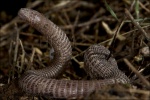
[43, 82]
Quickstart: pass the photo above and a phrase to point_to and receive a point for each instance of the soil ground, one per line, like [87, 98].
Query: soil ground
[123, 26]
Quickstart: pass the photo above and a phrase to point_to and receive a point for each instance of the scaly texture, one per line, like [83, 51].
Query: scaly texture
[55, 36]
[40, 82]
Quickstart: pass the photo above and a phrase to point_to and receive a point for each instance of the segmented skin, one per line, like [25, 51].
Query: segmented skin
[42, 82]
[55, 36]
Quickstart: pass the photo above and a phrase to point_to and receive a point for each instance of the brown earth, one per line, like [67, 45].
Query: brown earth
[85, 23]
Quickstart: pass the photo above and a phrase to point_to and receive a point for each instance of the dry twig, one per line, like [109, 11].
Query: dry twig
[136, 72]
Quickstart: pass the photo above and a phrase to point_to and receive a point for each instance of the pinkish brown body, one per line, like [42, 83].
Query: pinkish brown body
[42, 82]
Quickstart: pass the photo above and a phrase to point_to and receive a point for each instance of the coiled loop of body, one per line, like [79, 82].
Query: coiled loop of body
[43, 82]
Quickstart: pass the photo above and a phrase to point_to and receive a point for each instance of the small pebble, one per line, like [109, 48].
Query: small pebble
[145, 51]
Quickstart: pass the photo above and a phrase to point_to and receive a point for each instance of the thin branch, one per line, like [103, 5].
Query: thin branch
[136, 72]
[137, 24]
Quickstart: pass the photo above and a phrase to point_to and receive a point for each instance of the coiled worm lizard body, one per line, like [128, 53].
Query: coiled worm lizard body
[42, 82]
